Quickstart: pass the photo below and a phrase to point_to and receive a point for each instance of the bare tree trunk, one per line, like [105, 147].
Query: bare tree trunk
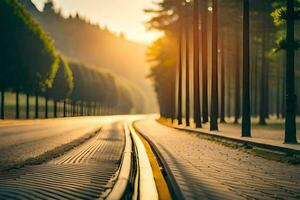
[278, 92]
[267, 92]
[65, 109]
[55, 109]
[237, 102]
[204, 60]
[2, 104]
[27, 106]
[246, 121]
[187, 76]
[255, 82]
[179, 89]
[222, 112]
[36, 106]
[283, 102]
[17, 104]
[214, 78]
[291, 98]
[262, 108]
[229, 91]
[46, 106]
[197, 109]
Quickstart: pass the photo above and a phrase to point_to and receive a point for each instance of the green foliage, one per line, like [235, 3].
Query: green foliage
[93, 85]
[79, 39]
[281, 44]
[279, 16]
[27, 53]
[162, 53]
[63, 82]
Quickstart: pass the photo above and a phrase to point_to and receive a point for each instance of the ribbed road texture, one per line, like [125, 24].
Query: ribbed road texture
[87, 172]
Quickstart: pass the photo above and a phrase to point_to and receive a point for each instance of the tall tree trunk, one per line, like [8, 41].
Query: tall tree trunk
[222, 111]
[73, 108]
[97, 109]
[77, 109]
[214, 73]
[278, 92]
[283, 102]
[27, 106]
[36, 106]
[101, 109]
[267, 92]
[252, 77]
[298, 93]
[187, 74]
[55, 109]
[65, 109]
[237, 102]
[17, 104]
[197, 109]
[252, 56]
[291, 98]
[93, 109]
[179, 98]
[229, 91]
[246, 121]
[262, 107]
[46, 107]
[2, 104]
[204, 60]
[255, 81]
[172, 106]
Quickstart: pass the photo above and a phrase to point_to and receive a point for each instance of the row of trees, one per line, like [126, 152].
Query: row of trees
[234, 59]
[30, 64]
[77, 38]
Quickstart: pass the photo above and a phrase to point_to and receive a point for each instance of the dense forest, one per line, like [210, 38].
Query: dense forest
[175, 53]
[30, 64]
[97, 47]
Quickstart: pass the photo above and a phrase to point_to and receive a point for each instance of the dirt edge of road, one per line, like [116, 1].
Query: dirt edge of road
[54, 153]
[259, 152]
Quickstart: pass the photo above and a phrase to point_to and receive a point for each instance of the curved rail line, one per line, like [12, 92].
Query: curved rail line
[112, 165]
[86, 172]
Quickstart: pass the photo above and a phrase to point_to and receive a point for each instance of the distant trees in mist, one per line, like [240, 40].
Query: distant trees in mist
[30, 64]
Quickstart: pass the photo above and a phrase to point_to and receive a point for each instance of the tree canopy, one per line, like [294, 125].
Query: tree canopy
[28, 59]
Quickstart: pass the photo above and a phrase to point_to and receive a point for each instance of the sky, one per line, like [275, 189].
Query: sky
[126, 16]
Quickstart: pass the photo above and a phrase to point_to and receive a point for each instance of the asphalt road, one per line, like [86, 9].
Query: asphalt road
[23, 140]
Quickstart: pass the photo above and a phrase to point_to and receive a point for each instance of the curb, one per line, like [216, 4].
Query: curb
[167, 172]
[147, 187]
[119, 189]
[243, 141]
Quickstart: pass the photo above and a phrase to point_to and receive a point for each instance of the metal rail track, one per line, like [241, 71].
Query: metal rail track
[112, 165]
[86, 172]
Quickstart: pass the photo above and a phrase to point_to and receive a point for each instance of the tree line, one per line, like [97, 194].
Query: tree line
[30, 64]
[97, 46]
[235, 58]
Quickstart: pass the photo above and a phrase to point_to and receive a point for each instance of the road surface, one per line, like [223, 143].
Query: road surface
[23, 140]
[202, 169]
